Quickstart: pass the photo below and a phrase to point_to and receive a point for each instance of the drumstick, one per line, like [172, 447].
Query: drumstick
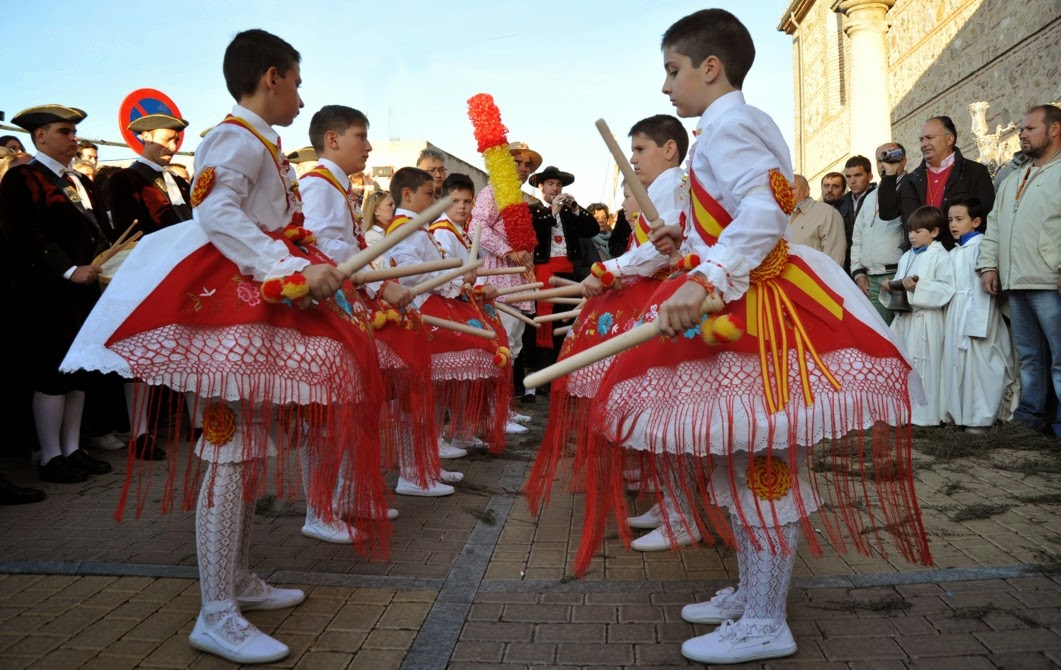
[458, 327]
[562, 292]
[636, 187]
[513, 312]
[366, 276]
[618, 344]
[562, 331]
[557, 280]
[523, 288]
[425, 286]
[491, 272]
[117, 248]
[367, 255]
[557, 316]
[122, 237]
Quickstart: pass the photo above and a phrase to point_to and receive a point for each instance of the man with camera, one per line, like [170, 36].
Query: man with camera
[560, 225]
[943, 176]
[875, 240]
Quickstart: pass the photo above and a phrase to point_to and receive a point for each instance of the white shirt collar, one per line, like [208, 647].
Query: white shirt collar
[945, 163]
[151, 164]
[337, 172]
[52, 164]
[720, 107]
[399, 211]
[256, 122]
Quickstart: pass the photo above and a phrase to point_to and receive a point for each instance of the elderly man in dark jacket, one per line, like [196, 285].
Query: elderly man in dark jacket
[943, 177]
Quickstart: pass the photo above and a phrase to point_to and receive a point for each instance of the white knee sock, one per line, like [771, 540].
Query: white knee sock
[217, 539]
[48, 416]
[70, 437]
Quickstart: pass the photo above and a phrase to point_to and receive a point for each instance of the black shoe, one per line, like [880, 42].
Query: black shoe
[146, 450]
[61, 471]
[12, 494]
[529, 398]
[196, 434]
[92, 466]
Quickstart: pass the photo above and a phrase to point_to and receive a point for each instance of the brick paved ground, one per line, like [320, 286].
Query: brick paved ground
[475, 581]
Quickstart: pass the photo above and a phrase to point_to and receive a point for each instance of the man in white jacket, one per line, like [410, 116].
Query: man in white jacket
[875, 241]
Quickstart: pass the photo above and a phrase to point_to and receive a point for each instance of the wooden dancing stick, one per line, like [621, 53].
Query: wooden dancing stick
[523, 288]
[366, 276]
[565, 301]
[557, 280]
[562, 331]
[367, 255]
[473, 251]
[616, 345]
[562, 292]
[491, 272]
[458, 327]
[557, 316]
[515, 313]
[425, 286]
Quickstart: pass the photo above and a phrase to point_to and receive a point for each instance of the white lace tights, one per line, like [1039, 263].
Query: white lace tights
[765, 573]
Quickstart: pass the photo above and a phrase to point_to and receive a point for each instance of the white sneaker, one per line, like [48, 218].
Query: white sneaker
[471, 443]
[721, 607]
[451, 477]
[658, 539]
[108, 442]
[260, 596]
[650, 520]
[391, 514]
[336, 532]
[447, 450]
[517, 417]
[237, 640]
[732, 643]
[513, 428]
[433, 490]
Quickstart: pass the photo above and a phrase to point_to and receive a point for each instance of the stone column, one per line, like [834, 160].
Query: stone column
[870, 108]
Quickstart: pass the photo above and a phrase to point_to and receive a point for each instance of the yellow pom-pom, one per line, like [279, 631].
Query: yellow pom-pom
[393, 315]
[726, 328]
[707, 330]
[379, 319]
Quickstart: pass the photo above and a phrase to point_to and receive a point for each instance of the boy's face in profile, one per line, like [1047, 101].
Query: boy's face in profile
[960, 221]
[286, 100]
[684, 84]
[630, 205]
[354, 149]
[648, 158]
[420, 199]
[922, 237]
[461, 209]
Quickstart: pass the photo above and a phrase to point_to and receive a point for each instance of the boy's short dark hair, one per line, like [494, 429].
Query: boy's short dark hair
[926, 218]
[333, 118]
[410, 178]
[972, 205]
[250, 55]
[661, 128]
[86, 144]
[457, 182]
[858, 161]
[714, 32]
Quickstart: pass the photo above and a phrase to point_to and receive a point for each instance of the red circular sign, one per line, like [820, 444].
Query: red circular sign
[141, 102]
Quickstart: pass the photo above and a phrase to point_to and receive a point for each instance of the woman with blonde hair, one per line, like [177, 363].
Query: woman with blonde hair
[377, 211]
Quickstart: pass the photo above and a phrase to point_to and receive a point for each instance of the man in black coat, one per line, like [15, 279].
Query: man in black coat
[145, 192]
[944, 176]
[48, 215]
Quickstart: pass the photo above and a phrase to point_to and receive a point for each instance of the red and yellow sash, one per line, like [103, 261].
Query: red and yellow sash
[446, 224]
[778, 286]
[641, 231]
[324, 173]
[274, 151]
[395, 224]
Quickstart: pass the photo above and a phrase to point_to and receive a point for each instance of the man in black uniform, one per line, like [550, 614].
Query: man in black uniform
[145, 191]
[48, 219]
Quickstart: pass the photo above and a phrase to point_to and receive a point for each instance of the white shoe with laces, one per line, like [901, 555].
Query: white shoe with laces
[721, 607]
[734, 642]
[235, 639]
[336, 532]
[447, 450]
[650, 520]
[451, 477]
[260, 596]
[685, 533]
[108, 442]
[513, 428]
[407, 487]
[471, 443]
[518, 418]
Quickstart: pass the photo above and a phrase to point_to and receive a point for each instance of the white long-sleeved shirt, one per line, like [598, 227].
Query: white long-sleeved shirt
[669, 193]
[875, 241]
[420, 247]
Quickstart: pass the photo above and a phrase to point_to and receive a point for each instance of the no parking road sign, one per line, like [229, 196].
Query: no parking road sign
[142, 102]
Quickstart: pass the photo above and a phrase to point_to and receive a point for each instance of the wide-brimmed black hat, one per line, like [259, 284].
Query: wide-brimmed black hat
[551, 172]
[157, 122]
[303, 155]
[35, 117]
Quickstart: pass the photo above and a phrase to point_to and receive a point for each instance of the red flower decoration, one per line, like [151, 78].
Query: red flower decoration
[486, 120]
[519, 227]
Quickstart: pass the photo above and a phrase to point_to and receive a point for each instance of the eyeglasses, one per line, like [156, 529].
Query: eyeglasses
[438, 170]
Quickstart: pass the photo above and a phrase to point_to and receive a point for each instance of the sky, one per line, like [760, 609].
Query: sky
[410, 65]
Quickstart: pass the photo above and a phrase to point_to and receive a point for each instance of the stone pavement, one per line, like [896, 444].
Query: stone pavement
[475, 581]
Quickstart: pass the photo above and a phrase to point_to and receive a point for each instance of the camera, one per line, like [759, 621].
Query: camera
[892, 156]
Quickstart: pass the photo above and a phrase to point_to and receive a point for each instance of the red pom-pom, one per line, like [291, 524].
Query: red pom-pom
[273, 290]
[688, 262]
[607, 280]
[598, 270]
[519, 227]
